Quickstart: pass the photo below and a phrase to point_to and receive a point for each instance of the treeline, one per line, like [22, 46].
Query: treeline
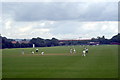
[39, 42]
[103, 40]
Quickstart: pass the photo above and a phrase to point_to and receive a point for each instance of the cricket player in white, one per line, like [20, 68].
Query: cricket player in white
[32, 52]
[42, 53]
[33, 45]
[70, 50]
[74, 51]
[84, 53]
[22, 51]
[36, 50]
[86, 50]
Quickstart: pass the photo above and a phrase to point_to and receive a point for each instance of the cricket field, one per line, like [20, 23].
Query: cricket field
[57, 62]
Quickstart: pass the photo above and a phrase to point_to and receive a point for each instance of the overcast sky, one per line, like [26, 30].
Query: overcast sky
[62, 20]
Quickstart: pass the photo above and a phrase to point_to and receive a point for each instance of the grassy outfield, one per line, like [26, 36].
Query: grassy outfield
[101, 62]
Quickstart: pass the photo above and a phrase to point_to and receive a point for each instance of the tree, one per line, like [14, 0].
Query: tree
[39, 42]
[116, 38]
[48, 42]
[17, 45]
[102, 40]
[55, 42]
[6, 43]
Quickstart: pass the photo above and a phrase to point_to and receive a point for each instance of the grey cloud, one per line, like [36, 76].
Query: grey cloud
[62, 11]
[100, 12]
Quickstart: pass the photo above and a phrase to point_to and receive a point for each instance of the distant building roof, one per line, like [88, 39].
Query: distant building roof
[93, 43]
[115, 43]
[75, 40]
[13, 42]
[26, 42]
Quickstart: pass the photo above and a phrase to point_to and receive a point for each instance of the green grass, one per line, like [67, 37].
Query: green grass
[101, 62]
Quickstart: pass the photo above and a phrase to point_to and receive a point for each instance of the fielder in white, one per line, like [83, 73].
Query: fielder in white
[70, 50]
[37, 50]
[84, 53]
[32, 52]
[42, 53]
[86, 50]
[22, 51]
[74, 51]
